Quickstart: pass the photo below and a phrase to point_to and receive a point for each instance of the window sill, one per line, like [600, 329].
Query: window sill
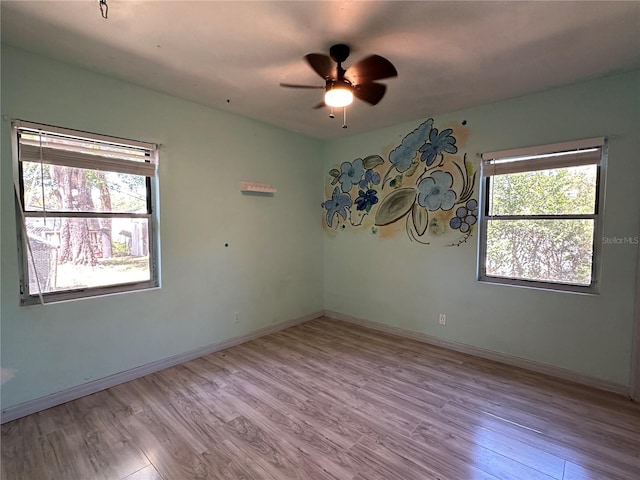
[549, 287]
[72, 296]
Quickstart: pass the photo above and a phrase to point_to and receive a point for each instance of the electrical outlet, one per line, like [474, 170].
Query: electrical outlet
[237, 319]
[442, 320]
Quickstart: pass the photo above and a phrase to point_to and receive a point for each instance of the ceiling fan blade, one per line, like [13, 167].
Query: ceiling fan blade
[322, 64]
[295, 85]
[369, 69]
[320, 105]
[371, 93]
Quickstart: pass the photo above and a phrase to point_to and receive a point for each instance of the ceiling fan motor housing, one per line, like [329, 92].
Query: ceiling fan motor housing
[340, 83]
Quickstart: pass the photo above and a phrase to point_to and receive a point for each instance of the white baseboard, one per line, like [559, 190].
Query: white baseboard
[32, 406]
[504, 358]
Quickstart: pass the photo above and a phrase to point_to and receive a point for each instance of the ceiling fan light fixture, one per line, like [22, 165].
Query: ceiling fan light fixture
[338, 96]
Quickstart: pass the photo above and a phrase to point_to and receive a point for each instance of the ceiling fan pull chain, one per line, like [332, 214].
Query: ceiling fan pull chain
[331, 115]
[344, 118]
[104, 8]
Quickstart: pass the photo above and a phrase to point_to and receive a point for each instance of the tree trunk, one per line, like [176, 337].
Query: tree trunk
[74, 195]
[79, 228]
[105, 223]
[82, 253]
[62, 179]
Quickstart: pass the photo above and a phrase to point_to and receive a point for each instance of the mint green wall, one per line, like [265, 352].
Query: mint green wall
[274, 268]
[271, 271]
[404, 284]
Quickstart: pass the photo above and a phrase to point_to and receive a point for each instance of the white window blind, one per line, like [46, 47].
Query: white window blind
[545, 157]
[56, 148]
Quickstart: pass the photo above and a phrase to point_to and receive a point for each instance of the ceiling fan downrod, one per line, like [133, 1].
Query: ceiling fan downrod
[339, 53]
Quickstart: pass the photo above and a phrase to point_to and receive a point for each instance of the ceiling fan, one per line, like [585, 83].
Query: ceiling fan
[341, 85]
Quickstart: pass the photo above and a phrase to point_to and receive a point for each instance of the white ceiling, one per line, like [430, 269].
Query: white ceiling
[232, 55]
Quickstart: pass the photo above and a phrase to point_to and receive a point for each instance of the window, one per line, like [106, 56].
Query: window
[85, 213]
[540, 221]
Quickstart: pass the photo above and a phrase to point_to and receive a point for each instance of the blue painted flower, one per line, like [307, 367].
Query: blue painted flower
[438, 143]
[338, 204]
[434, 192]
[472, 206]
[351, 174]
[370, 177]
[465, 217]
[402, 156]
[366, 200]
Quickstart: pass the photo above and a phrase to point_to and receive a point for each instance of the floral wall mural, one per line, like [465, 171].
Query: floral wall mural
[424, 186]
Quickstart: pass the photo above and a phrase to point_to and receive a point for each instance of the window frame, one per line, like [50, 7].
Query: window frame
[597, 216]
[22, 214]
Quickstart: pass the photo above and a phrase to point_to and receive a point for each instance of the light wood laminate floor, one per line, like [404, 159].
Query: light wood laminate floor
[328, 400]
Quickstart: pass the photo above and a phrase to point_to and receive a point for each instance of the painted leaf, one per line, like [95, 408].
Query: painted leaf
[386, 175]
[372, 161]
[468, 166]
[334, 172]
[412, 169]
[335, 180]
[396, 182]
[420, 218]
[395, 206]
